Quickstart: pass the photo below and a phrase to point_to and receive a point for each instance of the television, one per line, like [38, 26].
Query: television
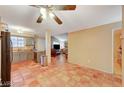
[56, 46]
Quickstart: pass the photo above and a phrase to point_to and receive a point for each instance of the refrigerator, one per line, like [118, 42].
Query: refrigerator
[5, 57]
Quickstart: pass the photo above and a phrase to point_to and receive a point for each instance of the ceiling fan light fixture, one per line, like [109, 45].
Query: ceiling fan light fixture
[43, 11]
[51, 15]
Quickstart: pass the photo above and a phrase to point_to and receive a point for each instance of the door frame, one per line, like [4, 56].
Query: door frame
[113, 32]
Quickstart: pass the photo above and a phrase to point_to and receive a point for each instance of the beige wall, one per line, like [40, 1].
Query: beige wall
[40, 44]
[92, 47]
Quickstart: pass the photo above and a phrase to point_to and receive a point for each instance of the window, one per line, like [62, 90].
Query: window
[14, 41]
[18, 41]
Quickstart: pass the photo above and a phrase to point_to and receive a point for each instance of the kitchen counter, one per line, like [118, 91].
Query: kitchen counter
[22, 55]
[22, 51]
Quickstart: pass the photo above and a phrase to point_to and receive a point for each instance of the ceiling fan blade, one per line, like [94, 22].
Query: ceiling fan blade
[64, 7]
[40, 19]
[52, 15]
[37, 6]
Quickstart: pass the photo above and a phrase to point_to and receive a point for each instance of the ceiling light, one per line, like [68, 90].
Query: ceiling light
[19, 31]
[43, 11]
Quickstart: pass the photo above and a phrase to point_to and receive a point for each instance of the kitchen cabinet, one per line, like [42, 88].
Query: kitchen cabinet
[37, 56]
[22, 56]
[30, 55]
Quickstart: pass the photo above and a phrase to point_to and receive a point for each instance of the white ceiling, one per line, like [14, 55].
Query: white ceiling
[83, 17]
[61, 37]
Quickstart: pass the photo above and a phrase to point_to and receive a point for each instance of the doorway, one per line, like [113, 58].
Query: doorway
[59, 48]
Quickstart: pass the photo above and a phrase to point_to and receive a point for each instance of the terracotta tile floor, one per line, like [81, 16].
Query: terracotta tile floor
[31, 74]
[118, 68]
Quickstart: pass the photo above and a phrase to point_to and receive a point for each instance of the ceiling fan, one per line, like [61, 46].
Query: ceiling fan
[48, 10]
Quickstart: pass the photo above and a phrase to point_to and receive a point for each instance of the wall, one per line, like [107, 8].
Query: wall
[92, 47]
[40, 44]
